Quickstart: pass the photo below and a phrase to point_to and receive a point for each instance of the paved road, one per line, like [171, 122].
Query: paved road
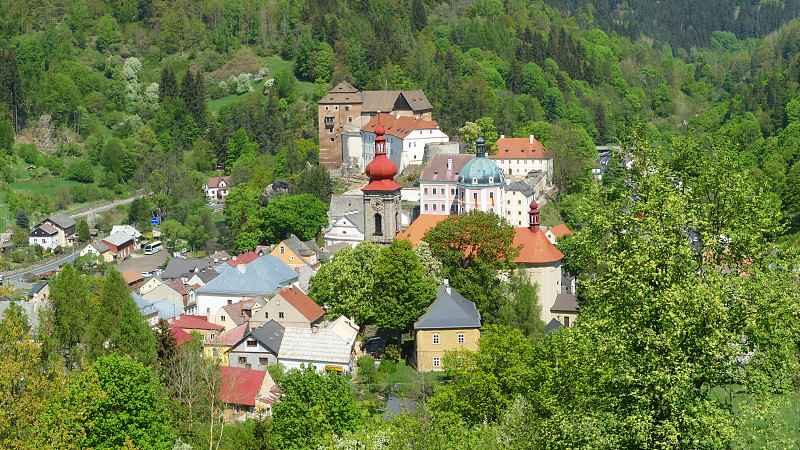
[106, 207]
[50, 267]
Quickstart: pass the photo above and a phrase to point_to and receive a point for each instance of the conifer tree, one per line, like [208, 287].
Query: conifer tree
[22, 219]
[168, 88]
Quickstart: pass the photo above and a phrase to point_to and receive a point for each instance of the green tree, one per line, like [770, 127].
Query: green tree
[418, 17]
[346, 284]
[312, 406]
[520, 307]
[22, 219]
[476, 249]
[66, 322]
[84, 235]
[302, 215]
[80, 170]
[107, 33]
[244, 218]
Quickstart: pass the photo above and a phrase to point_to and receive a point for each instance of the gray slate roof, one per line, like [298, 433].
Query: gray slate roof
[342, 204]
[177, 267]
[32, 310]
[306, 273]
[387, 101]
[565, 302]
[437, 169]
[552, 326]
[119, 239]
[36, 288]
[269, 335]
[62, 221]
[100, 246]
[449, 310]
[207, 276]
[398, 405]
[164, 307]
[522, 187]
[263, 276]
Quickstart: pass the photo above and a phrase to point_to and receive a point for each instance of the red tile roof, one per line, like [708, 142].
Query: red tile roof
[560, 230]
[536, 248]
[230, 337]
[240, 386]
[244, 258]
[302, 303]
[132, 276]
[399, 126]
[416, 231]
[520, 148]
[214, 181]
[181, 337]
[188, 321]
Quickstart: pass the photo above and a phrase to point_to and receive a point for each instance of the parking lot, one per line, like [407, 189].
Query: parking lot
[143, 263]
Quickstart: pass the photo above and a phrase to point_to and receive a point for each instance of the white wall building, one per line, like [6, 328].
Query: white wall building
[406, 137]
[516, 157]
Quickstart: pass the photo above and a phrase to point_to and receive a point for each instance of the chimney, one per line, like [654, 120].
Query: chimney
[314, 328]
[447, 285]
[449, 164]
[502, 136]
[242, 268]
[531, 140]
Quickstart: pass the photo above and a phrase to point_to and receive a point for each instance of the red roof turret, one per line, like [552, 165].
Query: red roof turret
[381, 170]
[533, 217]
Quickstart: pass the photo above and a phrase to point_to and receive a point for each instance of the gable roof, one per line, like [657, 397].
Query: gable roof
[302, 303]
[524, 188]
[44, 228]
[131, 276]
[61, 220]
[536, 248]
[305, 274]
[215, 181]
[244, 258]
[520, 148]
[118, 239]
[322, 345]
[241, 386]
[449, 310]
[416, 231]
[181, 336]
[126, 229]
[193, 322]
[36, 288]
[560, 230]
[230, 337]
[178, 266]
[437, 169]
[399, 126]
[343, 92]
[565, 302]
[342, 204]
[263, 276]
[236, 310]
[553, 325]
[206, 276]
[387, 101]
[100, 246]
[270, 335]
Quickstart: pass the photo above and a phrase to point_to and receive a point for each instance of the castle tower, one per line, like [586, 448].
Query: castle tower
[381, 195]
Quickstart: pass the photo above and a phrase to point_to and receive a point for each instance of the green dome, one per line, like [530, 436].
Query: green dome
[481, 171]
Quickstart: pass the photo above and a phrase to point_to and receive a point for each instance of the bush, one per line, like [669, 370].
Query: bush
[80, 170]
[387, 366]
[392, 353]
[366, 369]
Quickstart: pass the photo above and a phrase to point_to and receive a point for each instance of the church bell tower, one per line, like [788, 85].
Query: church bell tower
[381, 195]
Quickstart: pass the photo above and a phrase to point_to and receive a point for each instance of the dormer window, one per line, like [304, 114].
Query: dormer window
[491, 180]
[474, 181]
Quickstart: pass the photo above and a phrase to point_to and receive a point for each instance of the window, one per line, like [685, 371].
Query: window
[349, 118]
[347, 108]
[336, 108]
[222, 318]
[283, 250]
[230, 302]
[425, 191]
[331, 138]
[566, 321]
[280, 315]
[434, 206]
[435, 338]
[426, 206]
[251, 343]
[434, 191]
[474, 181]
[291, 258]
[436, 361]
[214, 351]
[263, 361]
[266, 315]
[442, 206]
[460, 338]
[452, 191]
[212, 336]
[326, 108]
[378, 225]
[519, 202]
[452, 208]
[329, 120]
[242, 360]
[491, 180]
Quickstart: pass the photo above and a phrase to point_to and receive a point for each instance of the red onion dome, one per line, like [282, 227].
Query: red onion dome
[534, 205]
[381, 168]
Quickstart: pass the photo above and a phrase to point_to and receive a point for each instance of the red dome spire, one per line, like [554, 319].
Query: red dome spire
[381, 170]
[533, 217]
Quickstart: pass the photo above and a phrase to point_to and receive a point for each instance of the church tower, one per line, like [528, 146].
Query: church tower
[381, 195]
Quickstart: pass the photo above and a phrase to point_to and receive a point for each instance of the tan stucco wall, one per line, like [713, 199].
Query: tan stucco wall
[560, 316]
[548, 276]
[517, 206]
[221, 356]
[448, 340]
[270, 310]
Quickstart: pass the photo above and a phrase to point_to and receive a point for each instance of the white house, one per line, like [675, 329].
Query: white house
[328, 348]
[44, 235]
[216, 189]
[517, 157]
[406, 137]
[98, 248]
[349, 228]
[129, 230]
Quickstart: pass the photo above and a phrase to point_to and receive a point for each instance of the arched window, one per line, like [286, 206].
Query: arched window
[378, 225]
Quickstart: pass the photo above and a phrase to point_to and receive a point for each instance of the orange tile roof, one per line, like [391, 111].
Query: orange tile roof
[416, 231]
[132, 276]
[560, 230]
[536, 248]
[400, 126]
[240, 386]
[191, 322]
[519, 148]
[244, 258]
[302, 303]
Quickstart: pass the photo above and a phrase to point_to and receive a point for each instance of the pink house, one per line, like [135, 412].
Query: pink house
[438, 184]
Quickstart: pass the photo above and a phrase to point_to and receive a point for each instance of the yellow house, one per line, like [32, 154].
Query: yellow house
[451, 323]
[297, 253]
[217, 348]
[150, 283]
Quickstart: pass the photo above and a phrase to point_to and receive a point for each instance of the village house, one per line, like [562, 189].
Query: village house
[518, 196]
[451, 322]
[150, 283]
[297, 253]
[65, 227]
[167, 291]
[517, 157]
[565, 309]
[153, 311]
[406, 137]
[134, 279]
[216, 189]
[218, 347]
[129, 230]
[241, 389]
[44, 235]
[290, 307]
[258, 348]
[98, 248]
[190, 323]
[39, 292]
[120, 245]
[325, 348]
[235, 314]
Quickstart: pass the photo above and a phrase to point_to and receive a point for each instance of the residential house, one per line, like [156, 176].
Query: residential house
[65, 226]
[237, 281]
[240, 390]
[98, 248]
[406, 137]
[556, 232]
[297, 253]
[325, 348]
[199, 324]
[552, 326]
[258, 348]
[344, 110]
[129, 230]
[518, 196]
[451, 322]
[39, 292]
[178, 267]
[188, 294]
[120, 245]
[347, 229]
[150, 283]
[565, 309]
[134, 279]
[519, 156]
[181, 336]
[290, 307]
[244, 258]
[218, 347]
[166, 291]
[44, 235]
[153, 311]
[216, 189]
[438, 184]
[201, 278]
[540, 259]
[235, 314]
